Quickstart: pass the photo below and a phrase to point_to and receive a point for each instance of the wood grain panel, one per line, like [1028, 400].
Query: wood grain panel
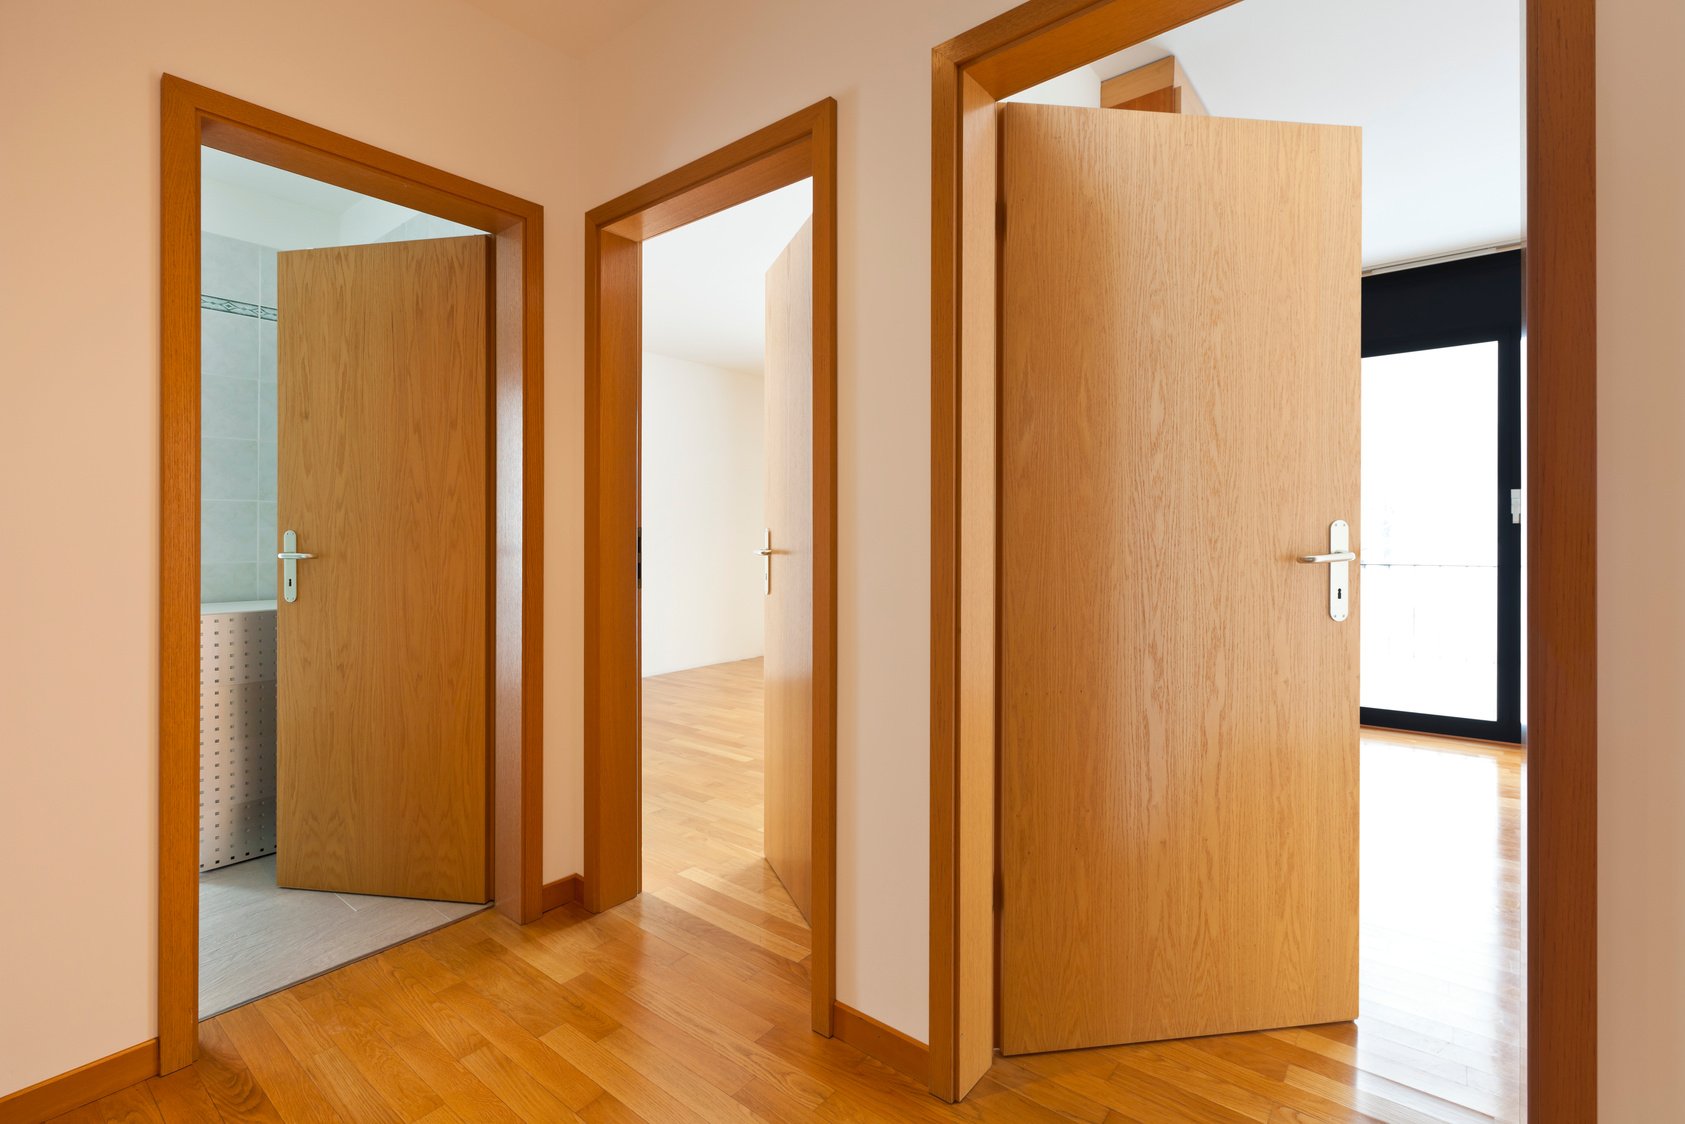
[822, 973]
[1042, 39]
[900, 1052]
[788, 405]
[974, 968]
[180, 391]
[613, 383]
[1159, 87]
[563, 891]
[1561, 559]
[1179, 397]
[82, 1085]
[518, 571]
[381, 715]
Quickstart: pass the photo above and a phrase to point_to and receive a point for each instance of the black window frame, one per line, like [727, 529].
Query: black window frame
[1472, 300]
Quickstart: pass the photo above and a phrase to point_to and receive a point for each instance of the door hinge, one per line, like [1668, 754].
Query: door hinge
[640, 561]
[1517, 504]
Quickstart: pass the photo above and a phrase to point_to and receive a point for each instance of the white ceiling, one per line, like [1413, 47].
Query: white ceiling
[257, 203]
[572, 26]
[252, 176]
[1435, 84]
[705, 284]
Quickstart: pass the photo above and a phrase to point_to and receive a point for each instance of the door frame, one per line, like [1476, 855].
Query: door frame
[1039, 40]
[193, 115]
[801, 145]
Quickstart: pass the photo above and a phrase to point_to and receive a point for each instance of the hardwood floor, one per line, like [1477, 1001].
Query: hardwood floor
[689, 1003]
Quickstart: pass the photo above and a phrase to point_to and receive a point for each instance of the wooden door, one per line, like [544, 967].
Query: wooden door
[789, 600]
[1179, 710]
[381, 720]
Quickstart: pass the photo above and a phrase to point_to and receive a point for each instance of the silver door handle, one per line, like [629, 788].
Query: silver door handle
[290, 556]
[765, 554]
[1339, 559]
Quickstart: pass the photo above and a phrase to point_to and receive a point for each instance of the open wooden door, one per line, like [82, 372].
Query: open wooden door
[381, 721]
[1179, 707]
[788, 666]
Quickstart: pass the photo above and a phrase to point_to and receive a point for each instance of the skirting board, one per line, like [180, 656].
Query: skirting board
[82, 1085]
[888, 1045]
[562, 891]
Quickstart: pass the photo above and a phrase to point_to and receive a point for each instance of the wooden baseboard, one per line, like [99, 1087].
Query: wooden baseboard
[82, 1085]
[888, 1045]
[562, 891]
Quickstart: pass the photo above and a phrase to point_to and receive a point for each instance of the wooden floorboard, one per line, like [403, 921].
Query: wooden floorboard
[690, 1003]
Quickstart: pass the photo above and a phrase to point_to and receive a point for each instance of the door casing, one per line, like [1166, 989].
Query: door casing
[1042, 39]
[797, 147]
[193, 115]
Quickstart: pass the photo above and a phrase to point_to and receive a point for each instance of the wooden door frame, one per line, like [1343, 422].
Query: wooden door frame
[1039, 40]
[801, 145]
[192, 116]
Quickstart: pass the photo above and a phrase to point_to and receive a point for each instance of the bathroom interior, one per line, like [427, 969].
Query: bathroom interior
[254, 936]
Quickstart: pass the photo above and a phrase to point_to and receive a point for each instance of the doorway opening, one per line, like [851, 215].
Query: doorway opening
[723, 556]
[373, 856]
[1230, 748]
[1442, 497]
[491, 835]
[972, 278]
[652, 747]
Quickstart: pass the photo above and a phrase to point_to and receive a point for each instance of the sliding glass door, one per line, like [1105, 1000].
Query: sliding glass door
[1440, 532]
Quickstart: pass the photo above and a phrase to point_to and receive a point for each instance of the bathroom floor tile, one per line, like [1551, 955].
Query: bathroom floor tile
[255, 938]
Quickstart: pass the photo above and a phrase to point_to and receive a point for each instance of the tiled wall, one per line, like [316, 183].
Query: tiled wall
[237, 368]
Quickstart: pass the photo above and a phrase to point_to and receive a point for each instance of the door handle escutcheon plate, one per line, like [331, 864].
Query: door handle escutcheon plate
[1339, 558]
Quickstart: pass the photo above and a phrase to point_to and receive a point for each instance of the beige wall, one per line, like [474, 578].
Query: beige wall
[78, 425]
[78, 297]
[1641, 535]
[698, 76]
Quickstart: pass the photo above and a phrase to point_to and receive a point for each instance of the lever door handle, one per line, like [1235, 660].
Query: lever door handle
[765, 554]
[290, 556]
[1338, 559]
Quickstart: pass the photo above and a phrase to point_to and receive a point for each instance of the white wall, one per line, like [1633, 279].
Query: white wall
[79, 205]
[1641, 602]
[703, 514]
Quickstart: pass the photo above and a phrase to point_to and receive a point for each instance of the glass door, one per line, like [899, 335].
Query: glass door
[1441, 540]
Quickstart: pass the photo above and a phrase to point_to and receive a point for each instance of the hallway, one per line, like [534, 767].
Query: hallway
[690, 1002]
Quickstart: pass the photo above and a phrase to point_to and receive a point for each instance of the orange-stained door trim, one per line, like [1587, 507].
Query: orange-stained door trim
[192, 116]
[1039, 40]
[799, 146]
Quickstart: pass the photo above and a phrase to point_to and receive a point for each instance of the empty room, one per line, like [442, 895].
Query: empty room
[616, 560]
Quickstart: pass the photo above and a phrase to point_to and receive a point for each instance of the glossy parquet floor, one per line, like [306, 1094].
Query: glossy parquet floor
[690, 1004]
